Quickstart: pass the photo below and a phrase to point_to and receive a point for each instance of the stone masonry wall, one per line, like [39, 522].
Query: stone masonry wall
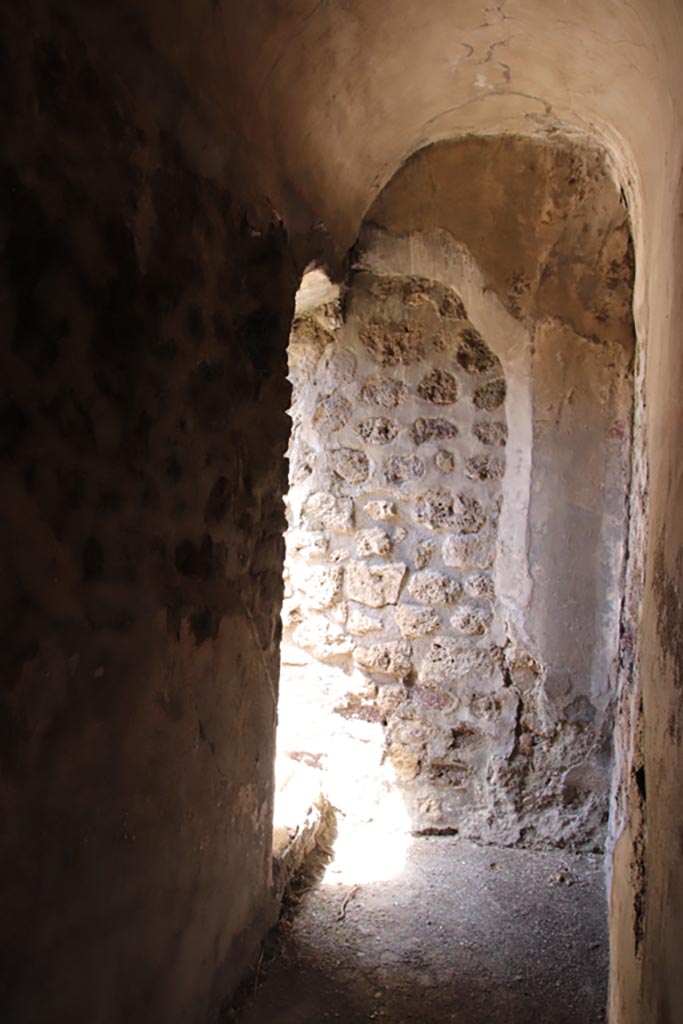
[397, 455]
[408, 538]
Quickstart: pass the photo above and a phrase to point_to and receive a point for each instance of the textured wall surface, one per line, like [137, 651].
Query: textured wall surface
[475, 611]
[397, 453]
[143, 326]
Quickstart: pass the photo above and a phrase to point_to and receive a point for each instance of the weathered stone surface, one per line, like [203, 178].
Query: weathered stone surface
[383, 391]
[373, 541]
[374, 585]
[377, 430]
[524, 669]
[416, 622]
[490, 432]
[390, 697]
[349, 464]
[439, 387]
[360, 624]
[431, 697]
[430, 428]
[308, 336]
[380, 509]
[320, 585]
[305, 544]
[301, 461]
[444, 460]
[391, 658]
[340, 366]
[472, 619]
[469, 551]
[325, 640]
[400, 468]
[479, 584]
[323, 511]
[440, 509]
[490, 396]
[307, 343]
[449, 660]
[452, 307]
[405, 763]
[436, 509]
[393, 343]
[429, 586]
[332, 413]
[484, 467]
[474, 355]
[424, 552]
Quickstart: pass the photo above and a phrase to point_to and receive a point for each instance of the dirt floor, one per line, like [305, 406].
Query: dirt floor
[459, 933]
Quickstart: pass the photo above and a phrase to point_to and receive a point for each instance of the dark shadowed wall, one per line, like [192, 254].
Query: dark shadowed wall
[142, 375]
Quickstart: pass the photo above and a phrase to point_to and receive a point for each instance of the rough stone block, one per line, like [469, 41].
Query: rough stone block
[360, 624]
[374, 585]
[449, 660]
[383, 391]
[433, 587]
[452, 307]
[301, 461]
[485, 467]
[305, 544]
[393, 658]
[490, 432]
[431, 697]
[323, 511]
[438, 387]
[331, 413]
[432, 428]
[472, 619]
[444, 461]
[490, 396]
[406, 764]
[419, 290]
[440, 509]
[474, 355]
[480, 584]
[415, 622]
[319, 585]
[351, 465]
[393, 342]
[380, 509]
[377, 430]
[424, 552]
[400, 468]
[304, 351]
[373, 541]
[469, 551]
[390, 697]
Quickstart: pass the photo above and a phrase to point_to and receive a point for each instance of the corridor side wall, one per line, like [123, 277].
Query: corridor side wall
[144, 329]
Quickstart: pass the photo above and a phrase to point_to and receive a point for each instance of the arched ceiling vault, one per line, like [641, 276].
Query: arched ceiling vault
[319, 102]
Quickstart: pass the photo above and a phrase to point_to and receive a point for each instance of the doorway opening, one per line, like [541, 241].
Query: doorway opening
[458, 513]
